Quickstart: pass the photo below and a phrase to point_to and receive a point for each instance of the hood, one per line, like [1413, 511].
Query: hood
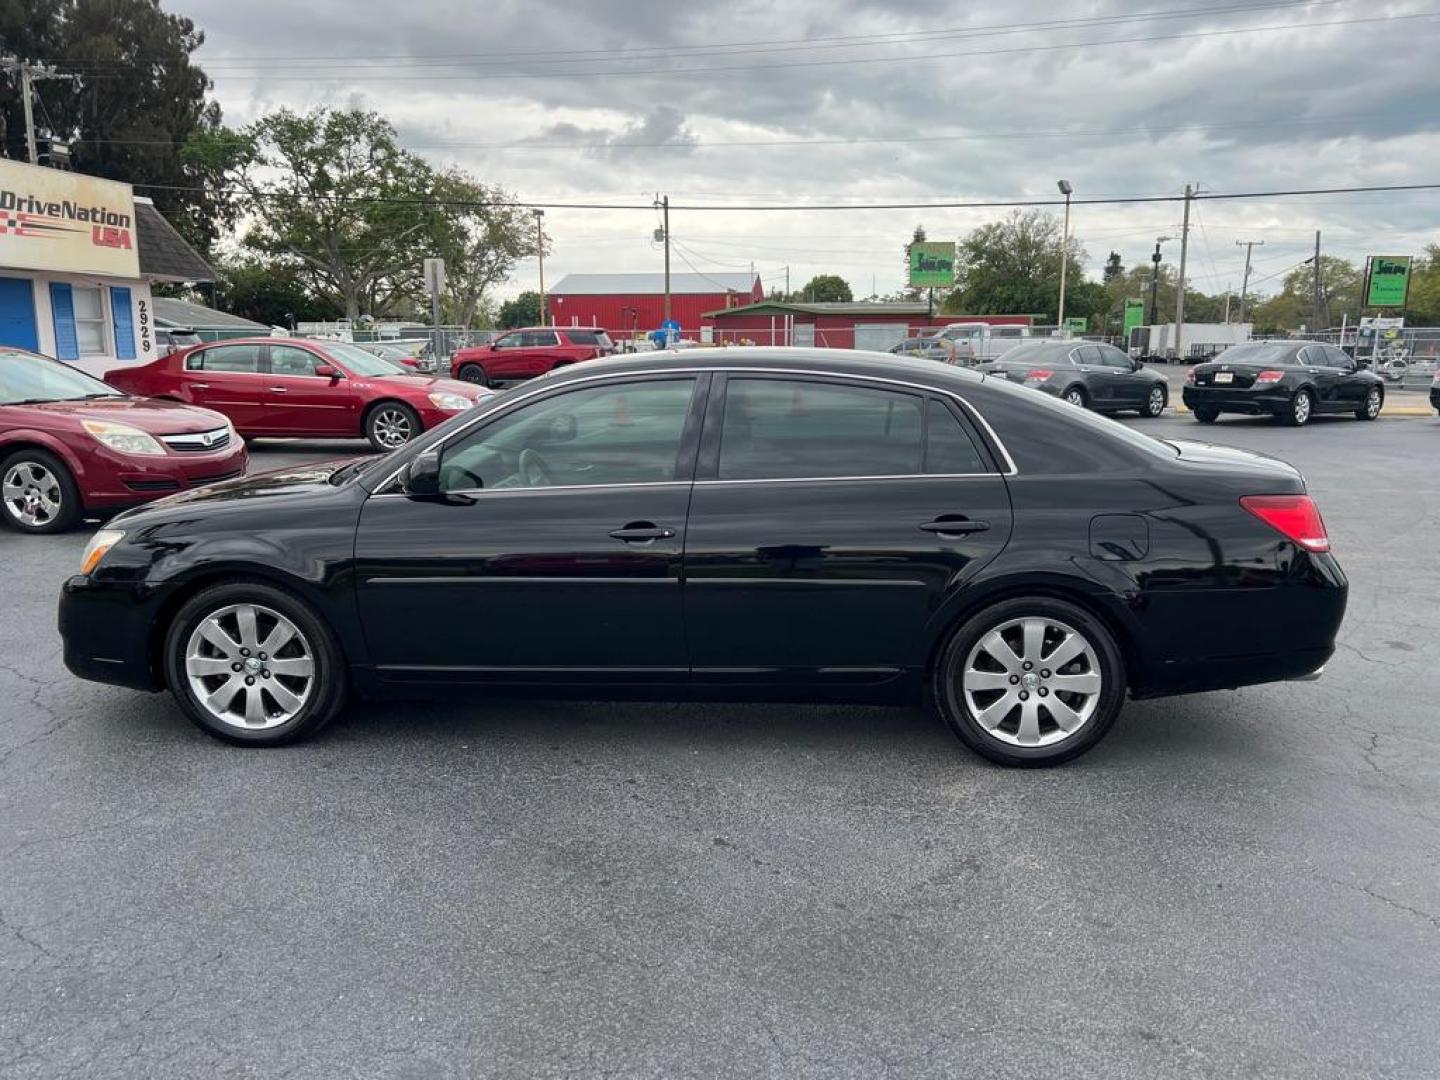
[150, 415]
[432, 384]
[1212, 456]
[247, 492]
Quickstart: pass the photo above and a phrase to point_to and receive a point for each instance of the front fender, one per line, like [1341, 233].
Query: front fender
[18, 437]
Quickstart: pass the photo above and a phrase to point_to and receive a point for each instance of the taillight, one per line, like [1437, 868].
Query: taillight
[1038, 375]
[1265, 378]
[1295, 517]
[410, 361]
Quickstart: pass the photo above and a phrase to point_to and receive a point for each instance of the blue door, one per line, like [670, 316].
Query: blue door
[17, 314]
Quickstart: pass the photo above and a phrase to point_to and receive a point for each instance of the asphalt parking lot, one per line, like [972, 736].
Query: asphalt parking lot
[1235, 884]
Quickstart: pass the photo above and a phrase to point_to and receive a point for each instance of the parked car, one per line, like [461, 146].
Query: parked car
[979, 343]
[405, 354]
[526, 353]
[745, 523]
[176, 337]
[927, 348]
[1292, 381]
[71, 446]
[293, 387]
[1098, 377]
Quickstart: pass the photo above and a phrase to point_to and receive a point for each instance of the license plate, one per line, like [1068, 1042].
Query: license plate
[1225, 377]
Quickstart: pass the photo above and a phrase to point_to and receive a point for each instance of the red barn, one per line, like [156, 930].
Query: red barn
[860, 325]
[625, 304]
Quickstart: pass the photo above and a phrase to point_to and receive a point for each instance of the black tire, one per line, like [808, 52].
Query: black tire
[473, 373]
[38, 472]
[1369, 409]
[1207, 416]
[331, 680]
[389, 425]
[952, 702]
[1150, 408]
[1302, 408]
[1076, 395]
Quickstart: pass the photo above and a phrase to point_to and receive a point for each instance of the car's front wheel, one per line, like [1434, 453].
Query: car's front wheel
[252, 665]
[37, 492]
[1155, 403]
[1302, 407]
[1031, 681]
[1075, 396]
[391, 424]
[1369, 409]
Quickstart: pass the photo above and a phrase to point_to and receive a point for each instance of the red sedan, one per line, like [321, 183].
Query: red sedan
[523, 354]
[71, 445]
[289, 387]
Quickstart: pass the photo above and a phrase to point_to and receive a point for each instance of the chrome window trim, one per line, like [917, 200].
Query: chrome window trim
[970, 410]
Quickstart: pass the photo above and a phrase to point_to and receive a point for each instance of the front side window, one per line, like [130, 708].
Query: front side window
[288, 360]
[539, 339]
[1112, 357]
[777, 429]
[242, 359]
[626, 433]
[509, 341]
[89, 320]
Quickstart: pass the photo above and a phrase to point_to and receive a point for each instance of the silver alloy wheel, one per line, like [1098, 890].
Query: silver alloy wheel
[1032, 681]
[1373, 402]
[392, 427]
[1302, 407]
[32, 494]
[249, 666]
[1075, 397]
[1157, 400]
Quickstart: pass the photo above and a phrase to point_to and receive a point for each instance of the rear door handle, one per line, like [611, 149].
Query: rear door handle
[276, 389]
[955, 527]
[642, 532]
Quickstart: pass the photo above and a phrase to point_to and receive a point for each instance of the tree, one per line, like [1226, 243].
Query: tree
[827, 288]
[1114, 269]
[1012, 267]
[1294, 305]
[269, 293]
[355, 213]
[138, 101]
[483, 233]
[1422, 308]
[524, 310]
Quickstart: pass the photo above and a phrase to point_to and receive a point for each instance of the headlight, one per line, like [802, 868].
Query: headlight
[450, 402]
[122, 437]
[99, 545]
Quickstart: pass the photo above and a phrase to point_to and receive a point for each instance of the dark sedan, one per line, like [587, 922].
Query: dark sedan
[1292, 381]
[767, 524]
[1084, 373]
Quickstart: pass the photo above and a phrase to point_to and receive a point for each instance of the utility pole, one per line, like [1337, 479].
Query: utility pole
[1248, 245]
[787, 283]
[29, 75]
[1315, 324]
[1180, 282]
[662, 204]
[1065, 189]
[540, 250]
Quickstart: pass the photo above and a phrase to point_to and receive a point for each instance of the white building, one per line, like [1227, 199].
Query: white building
[77, 258]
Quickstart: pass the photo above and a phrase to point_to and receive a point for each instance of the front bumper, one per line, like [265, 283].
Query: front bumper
[1435, 397]
[112, 481]
[106, 630]
[1226, 399]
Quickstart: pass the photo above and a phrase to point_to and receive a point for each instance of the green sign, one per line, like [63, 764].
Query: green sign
[1134, 314]
[1389, 281]
[932, 264]
[1077, 325]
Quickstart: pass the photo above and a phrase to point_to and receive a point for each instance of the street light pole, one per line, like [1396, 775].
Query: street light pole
[1155, 281]
[1065, 189]
[540, 250]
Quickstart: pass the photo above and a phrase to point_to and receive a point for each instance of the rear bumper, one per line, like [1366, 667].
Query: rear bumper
[1254, 402]
[106, 633]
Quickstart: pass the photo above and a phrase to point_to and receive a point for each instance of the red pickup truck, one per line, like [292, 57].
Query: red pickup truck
[523, 354]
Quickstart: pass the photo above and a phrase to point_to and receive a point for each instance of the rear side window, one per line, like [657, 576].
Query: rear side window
[779, 429]
[948, 449]
[236, 358]
[585, 337]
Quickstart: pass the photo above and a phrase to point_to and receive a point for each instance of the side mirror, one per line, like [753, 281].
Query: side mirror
[422, 476]
[327, 371]
[1136, 364]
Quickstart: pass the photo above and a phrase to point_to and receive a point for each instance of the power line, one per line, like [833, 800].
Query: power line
[722, 49]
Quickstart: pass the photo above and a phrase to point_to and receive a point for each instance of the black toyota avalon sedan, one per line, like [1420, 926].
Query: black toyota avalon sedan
[768, 524]
[1292, 381]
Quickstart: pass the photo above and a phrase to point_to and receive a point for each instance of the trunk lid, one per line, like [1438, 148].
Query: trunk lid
[1280, 476]
[1235, 376]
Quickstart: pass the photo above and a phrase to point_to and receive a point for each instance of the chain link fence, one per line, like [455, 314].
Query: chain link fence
[1407, 359]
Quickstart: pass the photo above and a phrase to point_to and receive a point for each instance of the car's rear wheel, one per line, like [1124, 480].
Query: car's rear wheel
[1207, 416]
[1302, 407]
[1075, 396]
[252, 665]
[1155, 403]
[1370, 408]
[391, 425]
[472, 373]
[37, 492]
[1031, 681]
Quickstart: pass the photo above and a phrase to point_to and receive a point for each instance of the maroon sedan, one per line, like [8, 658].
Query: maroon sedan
[526, 353]
[296, 388]
[71, 445]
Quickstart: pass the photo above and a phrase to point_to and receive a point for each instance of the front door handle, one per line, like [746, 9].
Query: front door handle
[642, 532]
[955, 526]
[276, 389]
[199, 386]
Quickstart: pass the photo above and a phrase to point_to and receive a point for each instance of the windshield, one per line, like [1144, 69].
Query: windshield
[359, 362]
[25, 377]
[1258, 352]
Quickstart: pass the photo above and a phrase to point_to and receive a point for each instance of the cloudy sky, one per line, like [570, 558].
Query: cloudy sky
[800, 102]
